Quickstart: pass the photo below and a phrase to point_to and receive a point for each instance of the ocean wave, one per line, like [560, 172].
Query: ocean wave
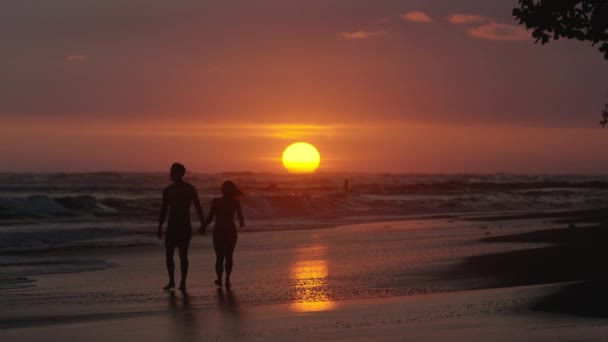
[45, 206]
[283, 205]
[81, 203]
[33, 205]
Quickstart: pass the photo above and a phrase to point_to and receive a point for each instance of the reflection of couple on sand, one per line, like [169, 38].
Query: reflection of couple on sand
[177, 199]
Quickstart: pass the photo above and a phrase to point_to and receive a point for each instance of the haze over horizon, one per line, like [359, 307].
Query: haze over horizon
[377, 86]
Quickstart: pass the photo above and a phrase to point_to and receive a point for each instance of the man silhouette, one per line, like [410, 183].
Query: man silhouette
[177, 198]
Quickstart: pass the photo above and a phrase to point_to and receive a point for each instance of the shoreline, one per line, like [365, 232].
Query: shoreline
[594, 215]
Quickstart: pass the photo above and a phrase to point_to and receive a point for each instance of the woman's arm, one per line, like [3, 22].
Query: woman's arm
[239, 214]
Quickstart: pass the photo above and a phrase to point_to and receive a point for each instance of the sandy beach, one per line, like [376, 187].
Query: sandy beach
[400, 280]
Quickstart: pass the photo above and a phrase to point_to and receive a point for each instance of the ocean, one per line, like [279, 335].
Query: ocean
[43, 214]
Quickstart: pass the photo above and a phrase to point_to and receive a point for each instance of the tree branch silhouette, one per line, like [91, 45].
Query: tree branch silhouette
[604, 116]
[584, 20]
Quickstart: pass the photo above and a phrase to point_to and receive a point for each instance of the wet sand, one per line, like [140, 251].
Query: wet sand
[407, 280]
[575, 255]
[484, 315]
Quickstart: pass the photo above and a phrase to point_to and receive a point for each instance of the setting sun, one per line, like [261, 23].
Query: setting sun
[301, 157]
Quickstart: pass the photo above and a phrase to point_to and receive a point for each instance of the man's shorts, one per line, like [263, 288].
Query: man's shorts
[178, 238]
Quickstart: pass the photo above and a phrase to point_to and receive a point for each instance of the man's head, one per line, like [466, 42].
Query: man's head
[177, 172]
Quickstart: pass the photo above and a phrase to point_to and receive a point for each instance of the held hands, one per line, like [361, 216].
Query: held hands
[159, 233]
[202, 229]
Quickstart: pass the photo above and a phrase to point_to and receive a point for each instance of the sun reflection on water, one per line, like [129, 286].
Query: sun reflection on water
[309, 278]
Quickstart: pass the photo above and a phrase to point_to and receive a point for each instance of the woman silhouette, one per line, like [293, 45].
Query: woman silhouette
[225, 235]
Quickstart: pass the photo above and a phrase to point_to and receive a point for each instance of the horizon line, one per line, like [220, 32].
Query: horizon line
[247, 172]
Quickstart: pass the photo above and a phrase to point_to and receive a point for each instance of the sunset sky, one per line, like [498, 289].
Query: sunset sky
[226, 85]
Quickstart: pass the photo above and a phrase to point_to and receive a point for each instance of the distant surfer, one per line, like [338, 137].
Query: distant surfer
[223, 209]
[177, 199]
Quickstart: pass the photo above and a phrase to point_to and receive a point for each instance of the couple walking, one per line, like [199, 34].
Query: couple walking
[177, 199]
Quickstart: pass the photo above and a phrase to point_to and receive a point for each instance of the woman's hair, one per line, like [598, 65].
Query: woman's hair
[230, 190]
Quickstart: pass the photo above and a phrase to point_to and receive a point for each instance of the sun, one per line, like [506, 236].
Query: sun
[301, 157]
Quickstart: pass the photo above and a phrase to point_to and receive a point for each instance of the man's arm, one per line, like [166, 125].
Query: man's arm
[163, 214]
[209, 217]
[239, 214]
[198, 207]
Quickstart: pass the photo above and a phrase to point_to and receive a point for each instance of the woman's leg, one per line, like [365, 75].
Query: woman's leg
[219, 258]
[230, 244]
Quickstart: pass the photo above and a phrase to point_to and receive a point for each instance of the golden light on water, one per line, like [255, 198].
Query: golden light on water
[310, 280]
[301, 157]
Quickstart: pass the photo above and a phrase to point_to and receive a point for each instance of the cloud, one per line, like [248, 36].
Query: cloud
[360, 35]
[77, 57]
[458, 19]
[417, 17]
[499, 32]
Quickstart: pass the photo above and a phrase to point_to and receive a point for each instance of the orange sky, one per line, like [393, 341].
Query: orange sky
[362, 147]
[377, 86]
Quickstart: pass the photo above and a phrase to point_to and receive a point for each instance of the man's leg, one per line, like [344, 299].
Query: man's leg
[169, 251]
[183, 258]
